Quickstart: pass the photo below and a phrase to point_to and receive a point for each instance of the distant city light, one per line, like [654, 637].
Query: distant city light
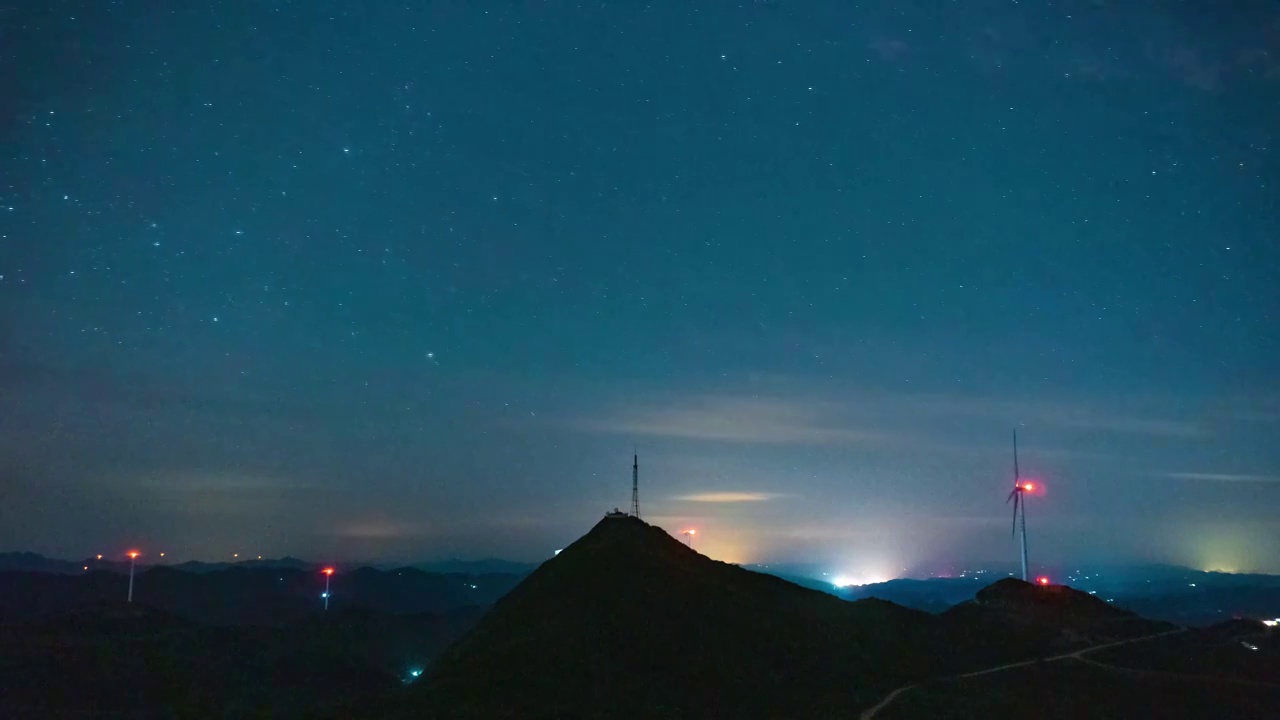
[161, 554]
[99, 557]
[1271, 623]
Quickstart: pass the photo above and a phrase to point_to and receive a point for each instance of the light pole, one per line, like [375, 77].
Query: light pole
[328, 573]
[133, 559]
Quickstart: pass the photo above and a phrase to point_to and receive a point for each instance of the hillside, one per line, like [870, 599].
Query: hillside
[629, 622]
[1206, 673]
[118, 660]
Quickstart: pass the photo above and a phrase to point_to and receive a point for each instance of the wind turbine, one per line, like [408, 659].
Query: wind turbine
[1017, 496]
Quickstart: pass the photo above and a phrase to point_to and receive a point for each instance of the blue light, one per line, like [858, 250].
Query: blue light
[324, 594]
[415, 673]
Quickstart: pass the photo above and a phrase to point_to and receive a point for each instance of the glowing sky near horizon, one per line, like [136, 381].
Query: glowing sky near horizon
[361, 281]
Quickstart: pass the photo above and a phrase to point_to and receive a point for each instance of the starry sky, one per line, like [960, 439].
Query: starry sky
[404, 281]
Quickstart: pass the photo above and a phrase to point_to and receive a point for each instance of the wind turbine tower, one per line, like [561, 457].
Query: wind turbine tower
[635, 485]
[1018, 497]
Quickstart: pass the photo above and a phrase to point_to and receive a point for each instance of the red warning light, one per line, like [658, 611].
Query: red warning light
[327, 571]
[1043, 580]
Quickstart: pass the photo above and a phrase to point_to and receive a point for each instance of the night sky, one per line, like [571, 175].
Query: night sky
[405, 281]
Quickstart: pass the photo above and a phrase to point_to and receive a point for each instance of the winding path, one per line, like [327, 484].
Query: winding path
[870, 713]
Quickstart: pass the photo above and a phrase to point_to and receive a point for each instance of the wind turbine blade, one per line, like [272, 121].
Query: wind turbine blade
[1016, 475]
[1011, 494]
[1016, 499]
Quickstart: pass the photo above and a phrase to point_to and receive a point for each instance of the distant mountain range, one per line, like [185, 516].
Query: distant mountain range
[247, 595]
[1162, 592]
[33, 562]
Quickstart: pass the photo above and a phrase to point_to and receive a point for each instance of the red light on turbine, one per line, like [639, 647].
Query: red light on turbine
[133, 554]
[1043, 580]
[1029, 486]
[327, 571]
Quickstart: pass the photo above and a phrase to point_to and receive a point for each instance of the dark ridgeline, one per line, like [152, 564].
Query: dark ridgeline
[630, 622]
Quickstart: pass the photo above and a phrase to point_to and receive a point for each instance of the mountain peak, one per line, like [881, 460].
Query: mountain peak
[1014, 594]
[627, 616]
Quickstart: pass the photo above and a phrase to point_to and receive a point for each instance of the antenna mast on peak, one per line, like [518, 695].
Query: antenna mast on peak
[635, 485]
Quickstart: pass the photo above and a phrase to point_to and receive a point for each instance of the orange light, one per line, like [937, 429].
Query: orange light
[1042, 580]
[1028, 486]
[99, 557]
[86, 567]
[327, 571]
[690, 532]
[161, 554]
[133, 554]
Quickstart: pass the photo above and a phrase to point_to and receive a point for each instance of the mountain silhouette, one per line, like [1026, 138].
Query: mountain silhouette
[629, 622]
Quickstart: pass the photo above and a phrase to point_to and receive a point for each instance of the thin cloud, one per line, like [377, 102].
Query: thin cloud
[1222, 477]
[727, 497]
[738, 419]
[381, 530]
[215, 482]
[1051, 414]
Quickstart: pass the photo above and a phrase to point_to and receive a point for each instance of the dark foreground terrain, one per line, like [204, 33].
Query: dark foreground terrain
[131, 661]
[627, 622]
[1206, 673]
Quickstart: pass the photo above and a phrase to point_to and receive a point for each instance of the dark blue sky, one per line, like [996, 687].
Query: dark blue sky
[355, 280]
